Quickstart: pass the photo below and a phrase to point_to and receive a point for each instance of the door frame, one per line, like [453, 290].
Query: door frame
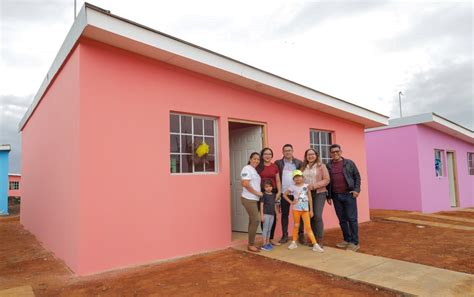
[256, 123]
[264, 144]
[455, 175]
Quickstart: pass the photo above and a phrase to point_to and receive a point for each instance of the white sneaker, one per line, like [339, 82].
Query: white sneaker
[317, 248]
[292, 245]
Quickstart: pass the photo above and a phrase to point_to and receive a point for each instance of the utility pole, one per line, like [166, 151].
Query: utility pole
[400, 102]
[74, 9]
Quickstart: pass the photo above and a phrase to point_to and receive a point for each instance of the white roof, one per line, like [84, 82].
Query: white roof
[99, 24]
[5, 147]
[434, 121]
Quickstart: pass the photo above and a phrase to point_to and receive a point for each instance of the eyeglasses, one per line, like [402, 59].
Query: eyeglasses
[335, 152]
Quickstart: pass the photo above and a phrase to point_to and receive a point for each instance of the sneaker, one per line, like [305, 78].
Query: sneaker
[265, 248]
[284, 239]
[269, 247]
[342, 245]
[352, 247]
[317, 248]
[292, 245]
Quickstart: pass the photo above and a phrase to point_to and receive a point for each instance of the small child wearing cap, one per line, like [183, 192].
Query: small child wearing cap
[302, 208]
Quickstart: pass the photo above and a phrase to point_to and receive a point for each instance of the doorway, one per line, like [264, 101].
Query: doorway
[244, 138]
[452, 178]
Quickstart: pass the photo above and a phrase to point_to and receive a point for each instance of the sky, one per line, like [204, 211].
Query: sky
[364, 52]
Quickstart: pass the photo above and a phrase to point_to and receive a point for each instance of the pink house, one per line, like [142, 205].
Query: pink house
[109, 166]
[14, 185]
[421, 163]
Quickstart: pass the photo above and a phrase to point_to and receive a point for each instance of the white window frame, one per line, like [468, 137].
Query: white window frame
[470, 163]
[314, 145]
[14, 185]
[192, 135]
[442, 158]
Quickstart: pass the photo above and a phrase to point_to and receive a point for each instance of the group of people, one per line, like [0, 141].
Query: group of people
[270, 188]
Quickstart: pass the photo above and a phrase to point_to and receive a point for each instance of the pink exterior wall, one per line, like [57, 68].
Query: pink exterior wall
[50, 166]
[131, 210]
[393, 173]
[435, 190]
[15, 193]
[400, 164]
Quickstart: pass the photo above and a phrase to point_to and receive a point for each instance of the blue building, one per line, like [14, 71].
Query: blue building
[4, 151]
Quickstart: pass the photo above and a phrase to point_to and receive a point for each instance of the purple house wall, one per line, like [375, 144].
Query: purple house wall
[401, 165]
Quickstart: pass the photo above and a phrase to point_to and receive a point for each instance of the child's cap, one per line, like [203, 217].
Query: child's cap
[297, 173]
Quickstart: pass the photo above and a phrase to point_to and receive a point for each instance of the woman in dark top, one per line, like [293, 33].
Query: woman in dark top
[268, 170]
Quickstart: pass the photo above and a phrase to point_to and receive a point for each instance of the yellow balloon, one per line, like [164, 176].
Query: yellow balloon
[202, 149]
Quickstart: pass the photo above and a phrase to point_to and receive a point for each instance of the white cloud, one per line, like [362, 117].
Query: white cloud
[360, 51]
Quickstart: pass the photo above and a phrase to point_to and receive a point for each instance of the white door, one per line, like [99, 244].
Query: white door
[452, 180]
[242, 143]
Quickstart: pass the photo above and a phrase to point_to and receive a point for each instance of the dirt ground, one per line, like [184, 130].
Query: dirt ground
[225, 273]
[440, 247]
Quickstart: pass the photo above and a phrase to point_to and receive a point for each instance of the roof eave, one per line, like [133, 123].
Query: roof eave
[72, 37]
[431, 120]
[96, 23]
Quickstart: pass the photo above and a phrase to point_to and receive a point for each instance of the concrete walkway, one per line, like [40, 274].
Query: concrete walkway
[444, 217]
[23, 291]
[430, 223]
[466, 209]
[401, 276]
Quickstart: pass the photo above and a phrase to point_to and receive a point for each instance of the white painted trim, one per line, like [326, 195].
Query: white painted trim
[73, 35]
[453, 126]
[5, 147]
[98, 24]
[431, 120]
[14, 174]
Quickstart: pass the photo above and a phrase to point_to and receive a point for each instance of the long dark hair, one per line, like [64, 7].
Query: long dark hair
[317, 162]
[251, 156]
[261, 166]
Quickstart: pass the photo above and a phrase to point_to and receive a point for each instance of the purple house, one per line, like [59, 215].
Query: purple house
[421, 163]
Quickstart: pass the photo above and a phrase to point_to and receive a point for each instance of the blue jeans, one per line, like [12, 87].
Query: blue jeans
[346, 211]
[267, 226]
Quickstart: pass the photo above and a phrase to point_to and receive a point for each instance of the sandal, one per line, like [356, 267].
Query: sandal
[253, 249]
[274, 242]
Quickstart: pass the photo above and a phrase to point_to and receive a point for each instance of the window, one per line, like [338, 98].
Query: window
[14, 185]
[321, 141]
[190, 135]
[439, 162]
[470, 163]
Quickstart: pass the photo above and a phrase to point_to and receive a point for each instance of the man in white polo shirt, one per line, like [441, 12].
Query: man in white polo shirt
[286, 166]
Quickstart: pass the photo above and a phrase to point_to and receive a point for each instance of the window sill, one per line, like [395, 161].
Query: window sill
[195, 173]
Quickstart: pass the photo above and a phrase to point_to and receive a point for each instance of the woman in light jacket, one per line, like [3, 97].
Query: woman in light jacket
[250, 196]
[316, 175]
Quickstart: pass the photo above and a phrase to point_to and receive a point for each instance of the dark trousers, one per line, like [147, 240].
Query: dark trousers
[346, 211]
[317, 225]
[285, 212]
[272, 231]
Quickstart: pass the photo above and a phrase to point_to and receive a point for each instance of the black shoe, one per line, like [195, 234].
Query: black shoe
[284, 238]
[301, 239]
